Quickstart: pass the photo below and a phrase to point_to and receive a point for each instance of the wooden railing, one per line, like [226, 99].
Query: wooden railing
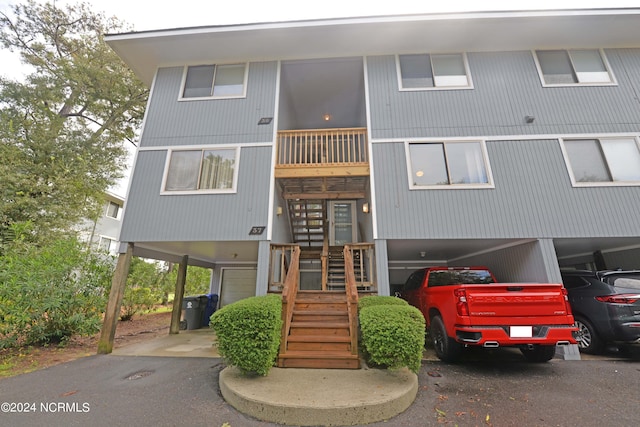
[279, 263]
[322, 147]
[289, 293]
[363, 263]
[352, 298]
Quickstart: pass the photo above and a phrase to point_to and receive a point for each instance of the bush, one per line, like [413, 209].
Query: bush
[248, 333]
[371, 300]
[392, 335]
[50, 292]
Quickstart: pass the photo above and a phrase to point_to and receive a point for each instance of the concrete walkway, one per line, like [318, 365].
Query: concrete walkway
[301, 397]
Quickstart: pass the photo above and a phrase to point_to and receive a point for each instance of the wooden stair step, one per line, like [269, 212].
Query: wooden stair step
[320, 338]
[320, 325]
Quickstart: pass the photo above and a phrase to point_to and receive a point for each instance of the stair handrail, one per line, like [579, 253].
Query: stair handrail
[352, 297]
[366, 265]
[289, 293]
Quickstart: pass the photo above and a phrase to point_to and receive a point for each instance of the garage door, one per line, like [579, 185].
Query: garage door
[236, 285]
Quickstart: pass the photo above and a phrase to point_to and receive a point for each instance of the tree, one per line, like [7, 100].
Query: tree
[50, 292]
[62, 129]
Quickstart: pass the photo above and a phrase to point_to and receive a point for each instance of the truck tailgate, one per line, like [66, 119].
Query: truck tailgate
[506, 302]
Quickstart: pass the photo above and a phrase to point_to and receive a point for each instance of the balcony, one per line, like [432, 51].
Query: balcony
[322, 153]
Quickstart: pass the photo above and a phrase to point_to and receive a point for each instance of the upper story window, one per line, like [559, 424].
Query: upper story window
[603, 161]
[573, 67]
[113, 210]
[448, 164]
[433, 71]
[211, 170]
[215, 81]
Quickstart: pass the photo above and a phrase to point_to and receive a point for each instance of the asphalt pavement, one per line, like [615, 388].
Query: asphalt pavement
[495, 388]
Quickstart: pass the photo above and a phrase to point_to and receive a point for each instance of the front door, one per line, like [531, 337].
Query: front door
[342, 220]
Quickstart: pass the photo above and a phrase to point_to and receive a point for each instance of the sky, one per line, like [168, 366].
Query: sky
[163, 14]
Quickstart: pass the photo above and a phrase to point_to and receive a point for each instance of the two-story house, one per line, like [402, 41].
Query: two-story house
[507, 139]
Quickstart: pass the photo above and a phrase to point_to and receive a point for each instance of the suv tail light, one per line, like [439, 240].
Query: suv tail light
[565, 294]
[619, 299]
[461, 306]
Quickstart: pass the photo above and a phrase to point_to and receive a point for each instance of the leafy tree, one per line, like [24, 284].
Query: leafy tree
[50, 292]
[143, 288]
[197, 282]
[63, 127]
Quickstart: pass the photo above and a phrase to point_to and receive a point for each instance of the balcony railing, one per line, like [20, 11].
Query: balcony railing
[322, 147]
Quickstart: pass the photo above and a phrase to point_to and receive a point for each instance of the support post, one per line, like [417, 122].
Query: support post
[177, 299]
[118, 283]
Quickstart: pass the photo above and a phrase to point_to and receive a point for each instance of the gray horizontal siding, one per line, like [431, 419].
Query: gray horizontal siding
[210, 121]
[152, 217]
[507, 88]
[532, 198]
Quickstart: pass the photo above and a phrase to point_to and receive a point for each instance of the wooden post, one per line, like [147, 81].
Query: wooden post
[111, 315]
[177, 299]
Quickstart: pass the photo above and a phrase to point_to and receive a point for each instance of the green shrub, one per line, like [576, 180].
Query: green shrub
[372, 300]
[50, 293]
[392, 336]
[248, 333]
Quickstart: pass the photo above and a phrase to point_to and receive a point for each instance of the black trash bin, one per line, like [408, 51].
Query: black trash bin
[192, 308]
[209, 309]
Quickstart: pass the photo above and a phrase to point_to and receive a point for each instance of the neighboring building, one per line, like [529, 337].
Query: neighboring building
[507, 139]
[103, 233]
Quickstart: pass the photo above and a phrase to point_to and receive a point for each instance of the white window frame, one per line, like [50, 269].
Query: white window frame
[485, 157]
[467, 71]
[605, 61]
[181, 96]
[118, 214]
[236, 168]
[101, 242]
[567, 161]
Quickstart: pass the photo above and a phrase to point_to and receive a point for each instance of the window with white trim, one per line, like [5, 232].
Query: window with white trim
[212, 170]
[573, 67]
[215, 81]
[113, 210]
[433, 71]
[105, 244]
[451, 163]
[603, 160]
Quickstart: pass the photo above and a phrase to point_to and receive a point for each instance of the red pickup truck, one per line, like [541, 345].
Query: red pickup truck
[464, 306]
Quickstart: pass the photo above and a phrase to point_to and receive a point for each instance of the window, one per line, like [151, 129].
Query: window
[113, 209]
[569, 67]
[215, 81]
[212, 170]
[448, 164]
[442, 71]
[105, 244]
[610, 160]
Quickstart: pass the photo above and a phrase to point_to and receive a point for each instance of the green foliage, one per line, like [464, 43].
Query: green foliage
[248, 333]
[392, 335]
[50, 293]
[62, 127]
[372, 300]
[143, 288]
[198, 280]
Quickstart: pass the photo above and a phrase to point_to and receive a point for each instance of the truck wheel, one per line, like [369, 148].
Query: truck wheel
[539, 353]
[588, 340]
[447, 349]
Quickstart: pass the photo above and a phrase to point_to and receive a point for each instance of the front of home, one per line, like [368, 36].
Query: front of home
[506, 139]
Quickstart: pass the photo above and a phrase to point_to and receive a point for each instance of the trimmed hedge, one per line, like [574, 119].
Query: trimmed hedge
[372, 300]
[248, 333]
[392, 335]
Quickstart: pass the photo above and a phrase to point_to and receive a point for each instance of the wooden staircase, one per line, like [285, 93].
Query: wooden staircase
[319, 334]
[308, 222]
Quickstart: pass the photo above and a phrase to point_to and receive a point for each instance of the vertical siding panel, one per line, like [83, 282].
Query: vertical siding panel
[507, 87]
[210, 121]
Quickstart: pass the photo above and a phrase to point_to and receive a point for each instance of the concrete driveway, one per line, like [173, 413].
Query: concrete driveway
[489, 388]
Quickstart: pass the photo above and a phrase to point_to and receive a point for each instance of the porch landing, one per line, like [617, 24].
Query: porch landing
[329, 397]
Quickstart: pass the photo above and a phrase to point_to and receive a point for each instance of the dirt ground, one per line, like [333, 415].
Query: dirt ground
[140, 328]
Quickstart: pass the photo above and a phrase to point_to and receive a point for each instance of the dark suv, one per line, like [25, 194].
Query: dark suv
[606, 307]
